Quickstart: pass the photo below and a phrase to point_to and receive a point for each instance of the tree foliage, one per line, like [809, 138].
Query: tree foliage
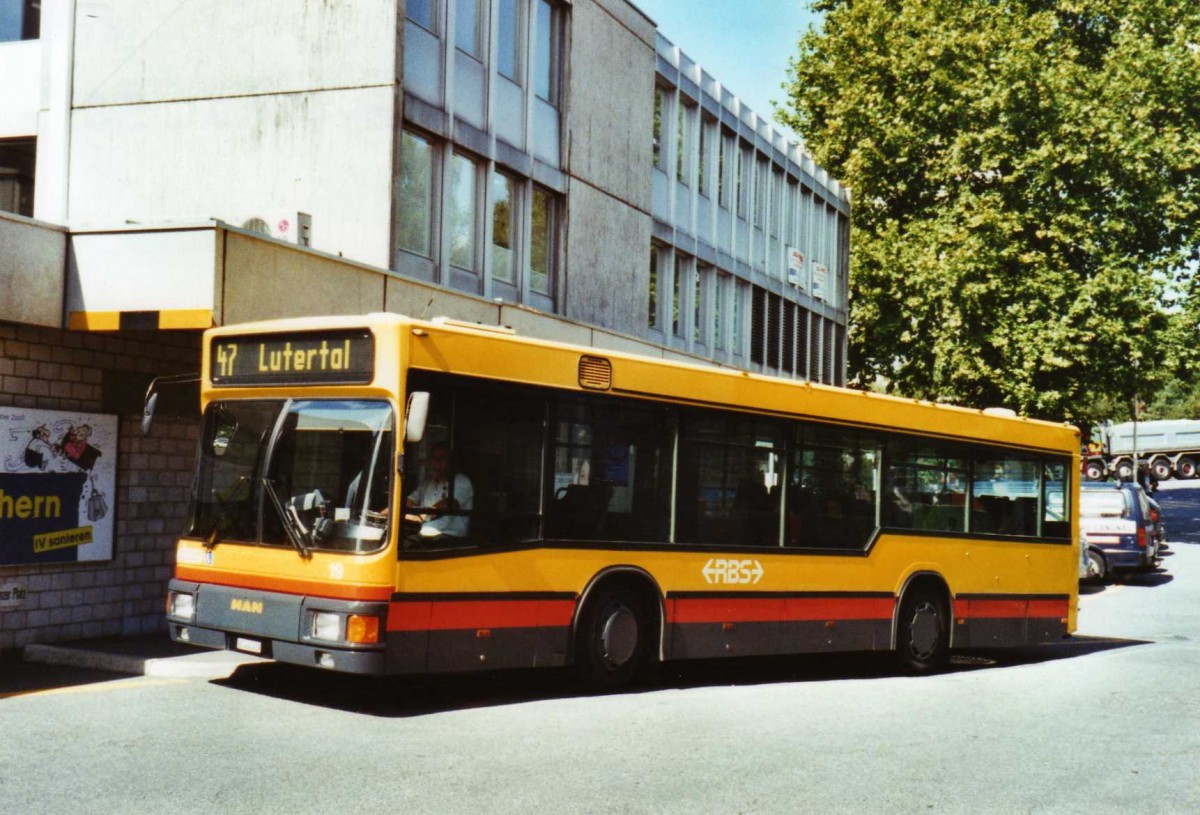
[1026, 181]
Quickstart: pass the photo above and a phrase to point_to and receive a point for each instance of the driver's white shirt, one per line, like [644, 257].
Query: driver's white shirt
[430, 492]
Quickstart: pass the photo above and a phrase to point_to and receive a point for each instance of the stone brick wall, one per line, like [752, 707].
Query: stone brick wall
[73, 371]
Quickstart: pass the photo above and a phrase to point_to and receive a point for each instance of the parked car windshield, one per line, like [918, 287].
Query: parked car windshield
[1103, 504]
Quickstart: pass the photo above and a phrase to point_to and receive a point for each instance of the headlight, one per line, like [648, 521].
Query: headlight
[326, 626]
[182, 605]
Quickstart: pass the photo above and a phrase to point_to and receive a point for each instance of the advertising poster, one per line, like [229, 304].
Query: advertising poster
[58, 477]
[795, 268]
[820, 282]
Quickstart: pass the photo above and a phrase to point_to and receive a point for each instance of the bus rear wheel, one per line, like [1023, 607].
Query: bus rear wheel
[613, 637]
[923, 631]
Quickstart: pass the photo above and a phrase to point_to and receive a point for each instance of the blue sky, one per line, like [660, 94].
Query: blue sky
[744, 44]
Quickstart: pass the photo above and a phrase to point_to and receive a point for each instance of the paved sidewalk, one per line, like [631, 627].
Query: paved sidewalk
[148, 655]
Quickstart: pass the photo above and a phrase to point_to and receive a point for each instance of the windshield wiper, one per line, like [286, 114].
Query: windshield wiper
[291, 524]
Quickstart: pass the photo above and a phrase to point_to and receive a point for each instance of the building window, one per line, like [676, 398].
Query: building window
[676, 294]
[777, 185]
[702, 184]
[416, 194]
[658, 123]
[20, 20]
[742, 187]
[548, 56]
[653, 316]
[508, 46]
[541, 255]
[18, 160]
[460, 211]
[702, 275]
[504, 228]
[468, 23]
[683, 141]
[423, 13]
[718, 301]
[724, 159]
[761, 172]
[738, 319]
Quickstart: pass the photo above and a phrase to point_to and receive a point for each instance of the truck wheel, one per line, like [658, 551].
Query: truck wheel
[1161, 468]
[1186, 467]
[1125, 470]
[1094, 471]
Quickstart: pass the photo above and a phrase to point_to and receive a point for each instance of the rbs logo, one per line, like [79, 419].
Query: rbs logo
[732, 571]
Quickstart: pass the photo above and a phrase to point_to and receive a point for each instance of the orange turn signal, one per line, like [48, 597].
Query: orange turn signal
[360, 628]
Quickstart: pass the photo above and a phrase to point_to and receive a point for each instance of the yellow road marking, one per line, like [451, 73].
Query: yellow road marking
[100, 687]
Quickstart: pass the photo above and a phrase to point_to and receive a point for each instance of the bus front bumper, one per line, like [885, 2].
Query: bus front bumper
[276, 626]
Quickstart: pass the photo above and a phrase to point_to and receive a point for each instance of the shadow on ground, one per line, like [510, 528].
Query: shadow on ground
[23, 678]
[433, 695]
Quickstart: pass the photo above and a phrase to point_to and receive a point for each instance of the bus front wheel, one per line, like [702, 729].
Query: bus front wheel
[612, 637]
[923, 632]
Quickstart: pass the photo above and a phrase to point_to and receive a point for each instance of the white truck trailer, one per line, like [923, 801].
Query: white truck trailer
[1170, 447]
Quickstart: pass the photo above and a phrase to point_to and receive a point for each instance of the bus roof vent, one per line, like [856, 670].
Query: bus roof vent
[495, 329]
[1005, 413]
[595, 373]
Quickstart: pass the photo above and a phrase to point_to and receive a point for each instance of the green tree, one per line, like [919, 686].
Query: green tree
[1025, 178]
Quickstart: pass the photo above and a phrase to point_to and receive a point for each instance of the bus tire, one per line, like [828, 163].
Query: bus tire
[923, 631]
[1186, 467]
[613, 638]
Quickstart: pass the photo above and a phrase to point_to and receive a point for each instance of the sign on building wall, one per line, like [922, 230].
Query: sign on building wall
[820, 282]
[795, 267]
[58, 475]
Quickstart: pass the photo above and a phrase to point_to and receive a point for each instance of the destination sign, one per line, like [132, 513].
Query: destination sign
[301, 358]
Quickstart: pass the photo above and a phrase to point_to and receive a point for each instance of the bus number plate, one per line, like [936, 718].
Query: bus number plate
[249, 646]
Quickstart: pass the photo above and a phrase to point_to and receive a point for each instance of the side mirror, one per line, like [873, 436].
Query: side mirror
[227, 427]
[152, 395]
[415, 416]
[148, 412]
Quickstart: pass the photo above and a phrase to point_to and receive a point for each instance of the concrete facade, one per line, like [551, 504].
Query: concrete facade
[213, 163]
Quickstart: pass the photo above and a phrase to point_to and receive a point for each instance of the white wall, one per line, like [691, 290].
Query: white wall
[21, 67]
[228, 109]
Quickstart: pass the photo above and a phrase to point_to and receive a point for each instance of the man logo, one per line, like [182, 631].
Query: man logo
[246, 606]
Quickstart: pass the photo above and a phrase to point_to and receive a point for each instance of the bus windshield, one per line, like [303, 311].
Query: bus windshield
[314, 474]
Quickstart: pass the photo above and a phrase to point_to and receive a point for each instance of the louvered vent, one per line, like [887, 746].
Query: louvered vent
[595, 373]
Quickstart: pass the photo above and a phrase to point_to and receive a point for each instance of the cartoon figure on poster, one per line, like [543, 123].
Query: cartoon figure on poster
[49, 461]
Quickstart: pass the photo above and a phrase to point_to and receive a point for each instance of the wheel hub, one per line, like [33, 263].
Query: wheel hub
[618, 636]
[924, 631]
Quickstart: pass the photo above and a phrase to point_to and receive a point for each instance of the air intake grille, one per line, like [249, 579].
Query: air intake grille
[595, 373]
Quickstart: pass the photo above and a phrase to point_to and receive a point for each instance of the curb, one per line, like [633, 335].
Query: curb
[206, 665]
[55, 655]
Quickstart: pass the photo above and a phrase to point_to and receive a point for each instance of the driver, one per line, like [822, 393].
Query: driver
[442, 497]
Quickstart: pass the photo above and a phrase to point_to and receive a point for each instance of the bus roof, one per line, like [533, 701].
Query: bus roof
[496, 353]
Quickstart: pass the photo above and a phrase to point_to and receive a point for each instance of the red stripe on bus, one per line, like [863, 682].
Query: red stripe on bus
[285, 585]
[771, 609]
[1015, 608]
[995, 609]
[448, 615]
[1049, 608]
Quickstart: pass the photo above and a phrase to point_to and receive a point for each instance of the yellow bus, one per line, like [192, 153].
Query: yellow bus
[388, 496]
